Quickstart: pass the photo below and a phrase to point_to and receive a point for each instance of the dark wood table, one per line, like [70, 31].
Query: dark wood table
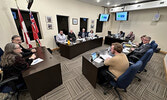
[44, 76]
[71, 51]
[90, 68]
[109, 40]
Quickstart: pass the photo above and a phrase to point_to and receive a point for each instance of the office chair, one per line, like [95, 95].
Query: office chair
[145, 59]
[154, 46]
[9, 86]
[126, 78]
[1, 53]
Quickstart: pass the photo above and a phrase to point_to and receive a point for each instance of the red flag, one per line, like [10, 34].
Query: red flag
[35, 30]
[24, 30]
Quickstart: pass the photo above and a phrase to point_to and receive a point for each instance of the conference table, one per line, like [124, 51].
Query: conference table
[109, 40]
[90, 68]
[44, 76]
[73, 50]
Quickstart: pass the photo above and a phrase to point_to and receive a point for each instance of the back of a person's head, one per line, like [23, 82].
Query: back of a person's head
[9, 48]
[14, 36]
[118, 47]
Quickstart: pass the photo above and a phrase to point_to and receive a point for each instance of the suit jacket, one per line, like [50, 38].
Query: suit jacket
[26, 52]
[71, 36]
[80, 34]
[139, 52]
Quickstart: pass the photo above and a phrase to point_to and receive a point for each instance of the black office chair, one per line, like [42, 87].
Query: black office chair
[9, 86]
[1, 53]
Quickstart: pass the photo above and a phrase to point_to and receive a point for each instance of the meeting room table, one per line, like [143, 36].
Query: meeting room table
[44, 76]
[75, 49]
[109, 40]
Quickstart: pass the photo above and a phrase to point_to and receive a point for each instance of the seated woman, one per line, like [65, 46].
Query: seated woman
[91, 34]
[12, 62]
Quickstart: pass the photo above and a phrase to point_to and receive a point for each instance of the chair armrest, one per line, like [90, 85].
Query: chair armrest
[8, 80]
[111, 74]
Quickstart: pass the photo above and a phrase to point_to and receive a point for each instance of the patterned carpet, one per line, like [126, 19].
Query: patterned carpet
[76, 87]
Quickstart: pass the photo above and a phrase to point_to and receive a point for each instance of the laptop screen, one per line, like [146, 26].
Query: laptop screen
[94, 56]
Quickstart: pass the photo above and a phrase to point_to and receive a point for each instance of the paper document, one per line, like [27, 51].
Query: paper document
[36, 61]
[98, 60]
[105, 56]
[126, 50]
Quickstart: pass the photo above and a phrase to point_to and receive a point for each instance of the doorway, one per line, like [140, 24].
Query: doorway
[62, 23]
[83, 23]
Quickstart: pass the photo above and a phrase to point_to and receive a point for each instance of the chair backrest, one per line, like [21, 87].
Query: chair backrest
[152, 42]
[126, 78]
[153, 45]
[145, 58]
[55, 38]
[1, 53]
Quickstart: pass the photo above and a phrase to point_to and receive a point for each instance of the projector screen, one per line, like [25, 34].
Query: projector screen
[104, 17]
[121, 16]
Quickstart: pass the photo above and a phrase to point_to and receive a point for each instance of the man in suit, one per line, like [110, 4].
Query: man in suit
[25, 52]
[71, 36]
[140, 51]
[130, 36]
[83, 34]
[118, 64]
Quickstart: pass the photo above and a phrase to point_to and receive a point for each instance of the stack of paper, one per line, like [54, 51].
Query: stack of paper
[36, 61]
[105, 56]
[98, 60]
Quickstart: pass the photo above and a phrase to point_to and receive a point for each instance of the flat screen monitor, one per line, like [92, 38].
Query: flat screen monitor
[104, 17]
[121, 16]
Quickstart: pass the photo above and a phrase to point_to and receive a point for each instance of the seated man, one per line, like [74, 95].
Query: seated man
[71, 36]
[139, 52]
[60, 38]
[120, 34]
[142, 38]
[117, 64]
[25, 52]
[130, 36]
[82, 34]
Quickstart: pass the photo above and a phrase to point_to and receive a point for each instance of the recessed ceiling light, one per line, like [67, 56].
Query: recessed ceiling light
[98, 0]
[115, 5]
[108, 3]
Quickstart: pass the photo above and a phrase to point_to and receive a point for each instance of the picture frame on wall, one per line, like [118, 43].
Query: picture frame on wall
[75, 21]
[49, 26]
[48, 19]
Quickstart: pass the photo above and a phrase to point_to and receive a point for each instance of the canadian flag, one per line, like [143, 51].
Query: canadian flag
[24, 29]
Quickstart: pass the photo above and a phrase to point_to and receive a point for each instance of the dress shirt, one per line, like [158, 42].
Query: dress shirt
[61, 38]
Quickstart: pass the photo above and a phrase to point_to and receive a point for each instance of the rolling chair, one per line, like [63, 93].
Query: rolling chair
[145, 59]
[126, 78]
[9, 86]
[1, 53]
[154, 46]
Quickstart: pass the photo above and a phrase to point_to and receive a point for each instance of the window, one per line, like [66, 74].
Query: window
[26, 18]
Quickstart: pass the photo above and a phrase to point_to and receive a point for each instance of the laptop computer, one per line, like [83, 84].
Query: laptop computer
[94, 56]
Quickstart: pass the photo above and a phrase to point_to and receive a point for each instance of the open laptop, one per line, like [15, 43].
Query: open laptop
[94, 56]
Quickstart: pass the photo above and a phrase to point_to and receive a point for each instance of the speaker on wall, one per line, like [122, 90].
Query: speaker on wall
[156, 17]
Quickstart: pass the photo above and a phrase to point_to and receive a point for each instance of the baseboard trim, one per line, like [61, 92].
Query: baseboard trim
[163, 52]
[55, 49]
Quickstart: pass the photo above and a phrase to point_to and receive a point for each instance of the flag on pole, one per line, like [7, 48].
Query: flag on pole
[24, 30]
[35, 30]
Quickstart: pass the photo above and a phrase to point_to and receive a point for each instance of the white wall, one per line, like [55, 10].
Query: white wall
[71, 8]
[140, 22]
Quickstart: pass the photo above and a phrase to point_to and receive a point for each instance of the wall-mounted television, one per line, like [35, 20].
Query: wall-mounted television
[121, 16]
[104, 17]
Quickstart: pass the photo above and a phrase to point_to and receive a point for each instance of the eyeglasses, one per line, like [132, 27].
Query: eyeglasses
[18, 48]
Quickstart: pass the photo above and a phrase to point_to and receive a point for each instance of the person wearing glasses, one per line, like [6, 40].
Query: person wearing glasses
[25, 52]
[140, 51]
[12, 62]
